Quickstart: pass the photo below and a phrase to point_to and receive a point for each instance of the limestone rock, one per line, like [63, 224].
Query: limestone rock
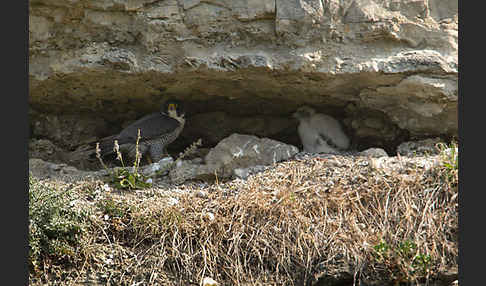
[421, 103]
[242, 151]
[401, 166]
[243, 173]
[184, 170]
[40, 168]
[66, 131]
[374, 152]
[419, 148]
[46, 170]
[158, 167]
[45, 150]
[237, 155]
[443, 9]
[96, 64]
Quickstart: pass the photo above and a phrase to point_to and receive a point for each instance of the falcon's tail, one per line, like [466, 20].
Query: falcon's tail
[105, 144]
[88, 149]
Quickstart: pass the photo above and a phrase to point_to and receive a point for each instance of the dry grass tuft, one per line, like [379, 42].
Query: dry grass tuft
[289, 225]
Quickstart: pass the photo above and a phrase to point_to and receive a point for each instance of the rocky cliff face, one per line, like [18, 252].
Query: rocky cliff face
[386, 68]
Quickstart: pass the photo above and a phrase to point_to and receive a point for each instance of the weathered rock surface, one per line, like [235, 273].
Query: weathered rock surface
[386, 68]
[66, 131]
[243, 173]
[158, 168]
[401, 166]
[189, 170]
[236, 155]
[374, 153]
[242, 151]
[46, 150]
[419, 148]
[239, 156]
[47, 170]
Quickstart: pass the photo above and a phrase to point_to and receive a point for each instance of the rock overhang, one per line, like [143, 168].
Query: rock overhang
[387, 70]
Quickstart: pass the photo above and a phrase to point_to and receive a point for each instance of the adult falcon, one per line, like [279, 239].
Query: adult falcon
[157, 131]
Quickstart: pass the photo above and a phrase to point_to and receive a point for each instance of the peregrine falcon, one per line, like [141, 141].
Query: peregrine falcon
[320, 133]
[157, 131]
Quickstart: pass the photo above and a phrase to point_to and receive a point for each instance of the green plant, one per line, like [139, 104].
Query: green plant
[124, 177]
[113, 208]
[421, 264]
[381, 251]
[449, 163]
[450, 155]
[406, 249]
[404, 260]
[55, 227]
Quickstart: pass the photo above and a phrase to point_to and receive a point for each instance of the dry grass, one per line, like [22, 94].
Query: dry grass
[289, 225]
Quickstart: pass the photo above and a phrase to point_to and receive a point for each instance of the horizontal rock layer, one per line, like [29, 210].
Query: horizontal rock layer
[384, 67]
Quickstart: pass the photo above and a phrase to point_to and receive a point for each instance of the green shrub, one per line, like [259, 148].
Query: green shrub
[55, 226]
[112, 208]
[403, 260]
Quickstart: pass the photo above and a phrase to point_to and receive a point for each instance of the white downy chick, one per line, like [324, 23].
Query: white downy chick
[320, 133]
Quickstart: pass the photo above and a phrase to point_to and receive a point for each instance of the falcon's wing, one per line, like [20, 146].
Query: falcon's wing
[328, 140]
[151, 126]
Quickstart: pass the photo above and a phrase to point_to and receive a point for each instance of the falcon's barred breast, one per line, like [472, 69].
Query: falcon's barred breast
[157, 131]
